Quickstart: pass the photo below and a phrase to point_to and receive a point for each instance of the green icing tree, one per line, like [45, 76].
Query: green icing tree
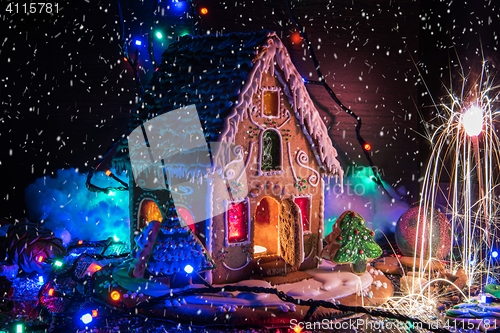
[356, 240]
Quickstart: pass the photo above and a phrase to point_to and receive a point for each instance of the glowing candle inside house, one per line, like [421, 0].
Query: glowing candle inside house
[257, 249]
[472, 120]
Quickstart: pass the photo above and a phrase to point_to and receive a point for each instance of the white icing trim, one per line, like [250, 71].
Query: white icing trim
[247, 162]
[209, 237]
[237, 269]
[226, 205]
[302, 158]
[253, 122]
[301, 235]
[291, 162]
[261, 146]
[321, 216]
[303, 105]
[289, 116]
[309, 196]
[271, 88]
[310, 253]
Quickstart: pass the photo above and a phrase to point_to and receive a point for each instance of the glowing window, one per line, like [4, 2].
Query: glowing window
[148, 212]
[304, 205]
[237, 223]
[271, 151]
[185, 215]
[270, 103]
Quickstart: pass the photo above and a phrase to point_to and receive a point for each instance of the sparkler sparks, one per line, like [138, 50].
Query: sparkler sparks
[465, 153]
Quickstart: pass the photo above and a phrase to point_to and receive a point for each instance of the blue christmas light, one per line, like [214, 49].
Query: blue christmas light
[138, 42]
[19, 328]
[86, 318]
[159, 35]
[304, 80]
[188, 269]
[40, 279]
[116, 239]
[180, 5]
[494, 254]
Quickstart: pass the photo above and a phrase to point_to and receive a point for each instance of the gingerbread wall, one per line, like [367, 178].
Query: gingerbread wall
[234, 262]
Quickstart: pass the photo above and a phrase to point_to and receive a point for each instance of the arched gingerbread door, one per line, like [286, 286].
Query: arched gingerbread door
[266, 225]
[148, 211]
[278, 228]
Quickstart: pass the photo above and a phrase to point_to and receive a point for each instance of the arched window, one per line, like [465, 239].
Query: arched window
[148, 211]
[186, 216]
[270, 151]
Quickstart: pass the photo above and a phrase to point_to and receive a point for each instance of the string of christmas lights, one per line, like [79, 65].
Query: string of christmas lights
[313, 304]
[366, 147]
[133, 63]
[95, 188]
[152, 29]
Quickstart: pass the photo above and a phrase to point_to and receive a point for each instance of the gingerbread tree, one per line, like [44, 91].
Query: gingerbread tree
[177, 249]
[171, 249]
[356, 242]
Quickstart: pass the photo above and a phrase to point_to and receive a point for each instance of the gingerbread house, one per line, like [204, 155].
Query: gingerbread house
[242, 172]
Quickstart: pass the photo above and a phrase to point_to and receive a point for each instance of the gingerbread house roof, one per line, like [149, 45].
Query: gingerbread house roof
[220, 74]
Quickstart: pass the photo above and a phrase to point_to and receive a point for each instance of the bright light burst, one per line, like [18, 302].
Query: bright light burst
[472, 120]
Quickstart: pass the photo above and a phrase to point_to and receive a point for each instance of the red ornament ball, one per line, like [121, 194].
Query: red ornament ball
[352, 214]
[361, 251]
[437, 237]
[356, 232]
[339, 238]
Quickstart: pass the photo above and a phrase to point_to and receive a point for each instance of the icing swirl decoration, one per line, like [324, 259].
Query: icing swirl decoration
[182, 190]
[302, 159]
[229, 173]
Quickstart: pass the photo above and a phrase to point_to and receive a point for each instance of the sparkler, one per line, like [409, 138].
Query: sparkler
[464, 143]
[467, 133]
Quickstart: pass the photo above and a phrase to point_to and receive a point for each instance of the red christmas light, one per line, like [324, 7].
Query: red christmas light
[108, 172]
[204, 11]
[296, 37]
[51, 292]
[115, 296]
[367, 147]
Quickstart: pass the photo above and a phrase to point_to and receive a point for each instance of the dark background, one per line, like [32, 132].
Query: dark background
[67, 94]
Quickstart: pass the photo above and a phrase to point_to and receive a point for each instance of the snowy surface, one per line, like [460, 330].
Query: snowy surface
[328, 282]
